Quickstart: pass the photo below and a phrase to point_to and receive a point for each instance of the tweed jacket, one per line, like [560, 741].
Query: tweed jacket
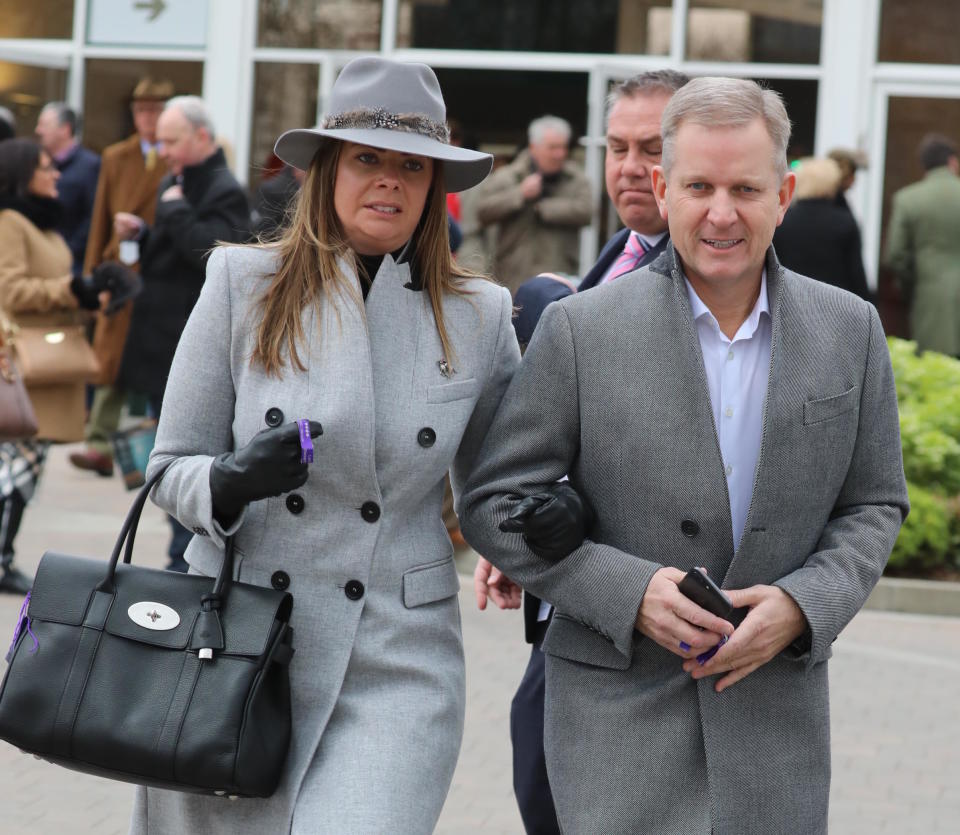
[535, 236]
[362, 544]
[616, 380]
[125, 185]
[923, 248]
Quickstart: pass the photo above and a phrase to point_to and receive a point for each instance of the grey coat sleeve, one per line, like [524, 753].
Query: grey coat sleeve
[533, 442]
[196, 421]
[835, 581]
[503, 363]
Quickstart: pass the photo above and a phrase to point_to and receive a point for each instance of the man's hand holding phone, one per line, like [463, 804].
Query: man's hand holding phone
[674, 621]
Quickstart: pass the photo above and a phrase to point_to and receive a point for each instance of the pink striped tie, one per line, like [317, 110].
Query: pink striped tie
[631, 256]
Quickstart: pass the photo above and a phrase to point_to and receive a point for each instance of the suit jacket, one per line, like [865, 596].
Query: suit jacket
[125, 185]
[393, 425]
[923, 248]
[77, 188]
[173, 258]
[625, 410]
[610, 252]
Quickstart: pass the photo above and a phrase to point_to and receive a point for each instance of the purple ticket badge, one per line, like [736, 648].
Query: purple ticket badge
[306, 443]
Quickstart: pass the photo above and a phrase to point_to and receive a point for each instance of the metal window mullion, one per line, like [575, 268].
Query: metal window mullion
[389, 10]
[678, 31]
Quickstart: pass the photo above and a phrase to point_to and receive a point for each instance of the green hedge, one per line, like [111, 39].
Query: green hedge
[928, 392]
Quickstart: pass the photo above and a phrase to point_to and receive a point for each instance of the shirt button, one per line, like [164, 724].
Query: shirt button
[295, 503]
[728, 412]
[730, 354]
[426, 437]
[729, 469]
[280, 580]
[353, 589]
[370, 512]
[273, 417]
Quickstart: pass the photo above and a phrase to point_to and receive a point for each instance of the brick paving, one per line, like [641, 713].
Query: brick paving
[895, 696]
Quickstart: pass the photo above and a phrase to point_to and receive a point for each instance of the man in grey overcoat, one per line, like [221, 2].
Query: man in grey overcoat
[717, 411]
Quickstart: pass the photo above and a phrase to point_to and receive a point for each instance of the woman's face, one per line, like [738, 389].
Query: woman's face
[379, 196]
[43, 183]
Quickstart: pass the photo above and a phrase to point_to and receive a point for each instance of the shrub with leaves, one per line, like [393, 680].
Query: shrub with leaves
[928, 394]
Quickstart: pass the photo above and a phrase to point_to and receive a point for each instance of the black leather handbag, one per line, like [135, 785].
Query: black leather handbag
[152, 677]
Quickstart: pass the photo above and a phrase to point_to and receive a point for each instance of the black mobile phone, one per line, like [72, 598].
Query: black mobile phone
[708, 595]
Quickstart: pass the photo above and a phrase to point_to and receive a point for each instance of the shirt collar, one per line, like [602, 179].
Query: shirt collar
[146, 147]
[651, 241]
[752, 322]
[65, 154]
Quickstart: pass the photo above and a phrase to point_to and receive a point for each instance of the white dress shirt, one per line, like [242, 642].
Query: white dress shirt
[737, 372]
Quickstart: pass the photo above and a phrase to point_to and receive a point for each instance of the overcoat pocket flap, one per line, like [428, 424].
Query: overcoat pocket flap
[817, 411]
[431, 582]
[453, 391]
[566, 638]
[64, 586]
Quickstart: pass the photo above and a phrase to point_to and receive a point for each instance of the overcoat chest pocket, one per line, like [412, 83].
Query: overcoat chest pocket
[818, 411]
[429, 583]
[458, 390]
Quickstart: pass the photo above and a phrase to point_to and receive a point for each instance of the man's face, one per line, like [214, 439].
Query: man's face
[633, 148]
[722, 200]
[180, 143]
[51, 134]
[145, 117]
[550, 152]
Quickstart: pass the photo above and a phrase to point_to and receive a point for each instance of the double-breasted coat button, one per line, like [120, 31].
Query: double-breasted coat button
[689, 528]
[353, 589]
[280, 580]
[426, 437]
[295, 503]
[273, 417]
[370, 511]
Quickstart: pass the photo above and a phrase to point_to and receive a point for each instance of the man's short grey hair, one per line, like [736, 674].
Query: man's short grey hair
[716, 102]
[66, 115]
[548, 124]
[194, 110]
[652, 83]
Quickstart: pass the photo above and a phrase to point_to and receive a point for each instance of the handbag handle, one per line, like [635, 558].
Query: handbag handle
[208, 632]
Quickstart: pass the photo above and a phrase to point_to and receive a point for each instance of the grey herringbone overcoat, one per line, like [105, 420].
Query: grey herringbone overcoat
[378, 676]
[612, 390]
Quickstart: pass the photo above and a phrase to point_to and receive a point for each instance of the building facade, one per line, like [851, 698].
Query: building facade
[868, 74]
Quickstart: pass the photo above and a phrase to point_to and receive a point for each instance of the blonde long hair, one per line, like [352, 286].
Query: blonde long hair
[308, 251]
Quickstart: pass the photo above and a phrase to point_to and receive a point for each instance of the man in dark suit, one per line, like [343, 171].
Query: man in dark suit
[79, 167]
[634, 111]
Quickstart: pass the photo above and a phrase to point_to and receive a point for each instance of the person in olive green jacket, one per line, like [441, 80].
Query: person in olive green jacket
[923, 247]
[539, 202]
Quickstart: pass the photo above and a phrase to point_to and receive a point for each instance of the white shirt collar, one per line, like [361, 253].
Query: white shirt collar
[752, 322]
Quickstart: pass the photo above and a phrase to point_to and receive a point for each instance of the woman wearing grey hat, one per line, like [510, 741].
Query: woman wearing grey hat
[358, 320]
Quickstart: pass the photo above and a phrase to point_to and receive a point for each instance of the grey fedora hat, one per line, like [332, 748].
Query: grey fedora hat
[392, 105]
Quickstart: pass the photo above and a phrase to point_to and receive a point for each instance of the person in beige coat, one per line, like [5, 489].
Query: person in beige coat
[539, 202]
[130, 174]
[36, 288]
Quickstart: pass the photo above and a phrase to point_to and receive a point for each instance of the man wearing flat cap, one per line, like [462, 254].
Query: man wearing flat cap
[130, 174]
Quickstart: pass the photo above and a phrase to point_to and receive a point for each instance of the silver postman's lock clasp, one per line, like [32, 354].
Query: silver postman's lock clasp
[205, 654]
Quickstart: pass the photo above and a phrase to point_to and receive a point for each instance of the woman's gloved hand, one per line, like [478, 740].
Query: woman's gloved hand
[553, 522]
[267, 466]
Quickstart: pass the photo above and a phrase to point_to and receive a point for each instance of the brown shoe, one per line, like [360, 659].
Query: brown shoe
[94, 461]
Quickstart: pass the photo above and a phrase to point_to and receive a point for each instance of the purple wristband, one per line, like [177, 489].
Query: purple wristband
[306, 444]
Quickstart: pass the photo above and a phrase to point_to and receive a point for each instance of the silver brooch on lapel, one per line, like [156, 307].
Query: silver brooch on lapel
[446, 369]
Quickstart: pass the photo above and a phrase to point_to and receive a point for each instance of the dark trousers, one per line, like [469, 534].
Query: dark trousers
[530, 782]
[11, 514]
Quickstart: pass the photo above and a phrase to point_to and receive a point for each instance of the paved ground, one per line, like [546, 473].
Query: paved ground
[895, 683]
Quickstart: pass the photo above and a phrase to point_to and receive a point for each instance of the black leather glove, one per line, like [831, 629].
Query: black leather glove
[553, 522]
[110, 276]
[267, 466]
[86, 292]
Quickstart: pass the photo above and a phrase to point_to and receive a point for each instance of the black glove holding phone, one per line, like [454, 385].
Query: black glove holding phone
[269, 465]
[553, 522]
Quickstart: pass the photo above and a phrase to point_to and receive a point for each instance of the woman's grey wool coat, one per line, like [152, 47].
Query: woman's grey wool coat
[378, 676]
